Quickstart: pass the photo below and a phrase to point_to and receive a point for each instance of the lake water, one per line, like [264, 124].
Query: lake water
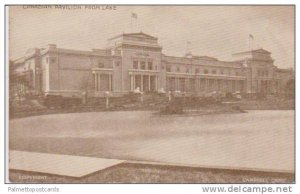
[262, 140]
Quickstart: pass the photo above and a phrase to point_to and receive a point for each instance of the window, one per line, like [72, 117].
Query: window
[100, 65]
[267, 73]
[143, 65]
[135, 64]
[221, 71]
[214, 71]
[118, 63]
[178, 69]
[52, 60]
[150, 66]
[168, 68]
[187, 70]
[197, 70]
[205, 71]
[211, 83]
[237, 73]
[202, 83]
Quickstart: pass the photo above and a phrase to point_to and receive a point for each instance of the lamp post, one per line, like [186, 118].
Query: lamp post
[84, 96]
[142, 99]
[107, 93]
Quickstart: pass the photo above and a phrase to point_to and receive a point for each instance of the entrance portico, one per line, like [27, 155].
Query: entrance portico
[102, 79]
[145, 81]
[265, 85]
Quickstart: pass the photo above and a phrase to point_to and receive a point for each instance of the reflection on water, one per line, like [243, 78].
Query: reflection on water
[256, 140]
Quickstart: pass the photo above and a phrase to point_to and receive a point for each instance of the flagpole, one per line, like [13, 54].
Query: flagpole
[135, 17]
[187, 47]
[250, 47]
[249, 43]
[131, 24]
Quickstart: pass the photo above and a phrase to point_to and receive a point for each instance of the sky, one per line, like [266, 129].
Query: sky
[216, 31]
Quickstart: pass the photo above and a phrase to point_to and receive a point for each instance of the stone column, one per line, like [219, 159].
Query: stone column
[222, 85]
[215, 85]
[99, 82]
[131, 82]
[95, 81]
[109, 82]
[243, 86]
[142, 84]
[149, 83]
[175, 86]
[200, 85]
[233, 86]
[156, 83]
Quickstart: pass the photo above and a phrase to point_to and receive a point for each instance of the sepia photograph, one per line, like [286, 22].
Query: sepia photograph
[198, 94]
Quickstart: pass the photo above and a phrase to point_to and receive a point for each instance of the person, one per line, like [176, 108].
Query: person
[84, 97]
[162, 91]
[137, 90]
[170, 95]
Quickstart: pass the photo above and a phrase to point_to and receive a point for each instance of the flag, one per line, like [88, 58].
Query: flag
[134, 21]
[251, 36]
[134, 15]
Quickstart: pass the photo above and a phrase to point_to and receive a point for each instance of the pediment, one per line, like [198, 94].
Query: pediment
[140, 35]
[261, 51]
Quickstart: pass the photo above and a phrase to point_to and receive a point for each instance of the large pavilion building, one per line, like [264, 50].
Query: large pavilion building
[135, 60]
